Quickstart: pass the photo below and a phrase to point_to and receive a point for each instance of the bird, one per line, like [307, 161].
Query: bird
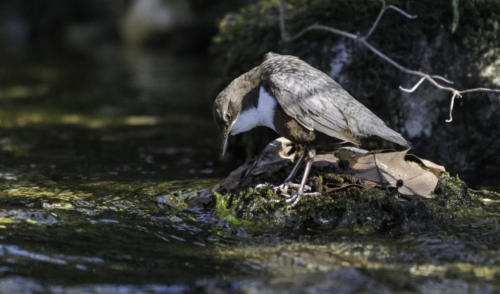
[300, 103]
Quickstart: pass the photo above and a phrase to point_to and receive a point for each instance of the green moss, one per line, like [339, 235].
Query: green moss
[355, 209]
[224, 212]
[236, 212]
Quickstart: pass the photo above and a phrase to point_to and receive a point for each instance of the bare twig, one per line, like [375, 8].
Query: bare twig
[410, 16]
[377, 20]
[414, 87]
[480, 90]
[321, 28]
[452, 104]
[442, 79]
[363, 41]
[381, 13]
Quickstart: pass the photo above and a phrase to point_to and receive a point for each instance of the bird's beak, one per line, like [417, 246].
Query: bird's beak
[225, 138]
[226, 132]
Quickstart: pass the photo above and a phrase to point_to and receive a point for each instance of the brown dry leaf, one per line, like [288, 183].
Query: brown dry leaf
[427, 163]
[417, 177]
[326, 160]
[386, 169]
[274, 156]
[277, 155]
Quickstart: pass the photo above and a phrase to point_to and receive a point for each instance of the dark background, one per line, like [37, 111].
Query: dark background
[168, 60]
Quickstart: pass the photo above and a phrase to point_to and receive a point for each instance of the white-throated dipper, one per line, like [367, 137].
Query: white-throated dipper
[301, 104]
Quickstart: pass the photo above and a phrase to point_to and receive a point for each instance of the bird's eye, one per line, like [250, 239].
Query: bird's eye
[227, 117]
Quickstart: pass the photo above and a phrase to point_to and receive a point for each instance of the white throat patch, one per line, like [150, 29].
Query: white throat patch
[262, 115]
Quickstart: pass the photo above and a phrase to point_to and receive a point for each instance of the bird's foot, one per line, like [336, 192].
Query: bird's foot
[283, 188]
[294, 199]
[291, 200]
[261, 186]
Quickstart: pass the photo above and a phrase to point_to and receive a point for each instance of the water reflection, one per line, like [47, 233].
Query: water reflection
[116, 111]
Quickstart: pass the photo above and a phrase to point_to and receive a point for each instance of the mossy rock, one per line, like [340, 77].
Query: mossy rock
[364, 210]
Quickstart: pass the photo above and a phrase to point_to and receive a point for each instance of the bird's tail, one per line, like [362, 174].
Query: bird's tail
[394, 137]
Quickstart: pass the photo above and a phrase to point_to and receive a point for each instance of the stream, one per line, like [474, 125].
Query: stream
[96, 149]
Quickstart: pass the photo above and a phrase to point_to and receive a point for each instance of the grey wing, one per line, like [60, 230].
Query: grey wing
[312, 98]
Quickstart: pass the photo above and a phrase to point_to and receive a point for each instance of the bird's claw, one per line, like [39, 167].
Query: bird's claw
[297, 186]
[283, 188]
[260, 186]
[294, 199]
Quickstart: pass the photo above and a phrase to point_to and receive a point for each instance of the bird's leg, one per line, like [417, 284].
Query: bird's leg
[293, 200]
[295, 168]
[288, 181]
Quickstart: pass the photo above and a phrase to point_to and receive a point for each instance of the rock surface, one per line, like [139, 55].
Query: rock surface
[371, 192]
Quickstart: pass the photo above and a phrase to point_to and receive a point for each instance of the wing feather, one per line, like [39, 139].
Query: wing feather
[319, 103]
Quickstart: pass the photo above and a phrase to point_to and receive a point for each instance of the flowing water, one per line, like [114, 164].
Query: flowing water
[96, 151]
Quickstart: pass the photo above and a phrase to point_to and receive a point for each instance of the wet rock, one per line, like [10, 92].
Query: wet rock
[31, 217]
[177, 200]
[350, 200]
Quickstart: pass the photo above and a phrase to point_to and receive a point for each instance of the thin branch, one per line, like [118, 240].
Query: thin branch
[480, 90]
[363, 41]
[321, 28]
[452, 105]
[414, 87]
[377, 20]
[406, 14]
[381, 13]
[442, 79]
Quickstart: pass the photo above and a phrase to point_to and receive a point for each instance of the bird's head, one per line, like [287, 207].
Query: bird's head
[228, 104]
[225, 114]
